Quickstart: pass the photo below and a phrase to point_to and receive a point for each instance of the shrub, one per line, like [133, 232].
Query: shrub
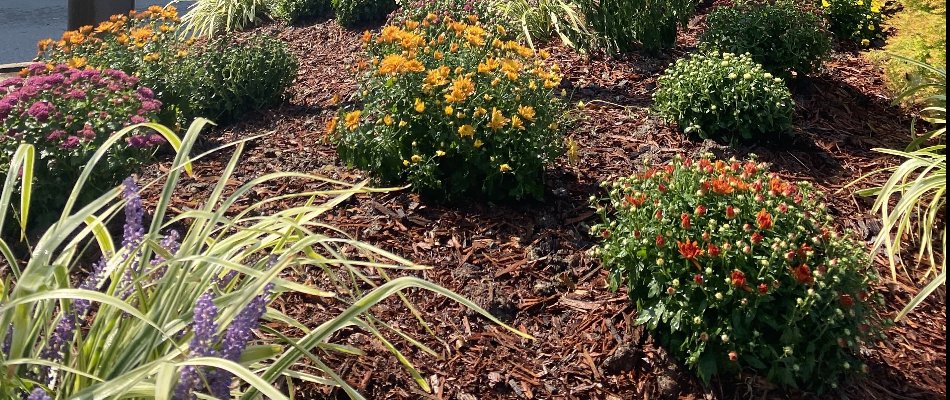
[466, 114]
[920, 34]
[732, 268]
[350, 13]
[227, 77]
[295, 10]
[458, 10]
[724, 96]
[164, 315]
[66, 114]
[212, 17]
[143, 44]
[622, 23]
[854, 20]
[780, 36]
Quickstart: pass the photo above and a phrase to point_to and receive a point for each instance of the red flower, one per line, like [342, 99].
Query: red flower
[750, 168]
[846, 300]
[684, 220]
[763, 288]
[735, 166]
[659, 214]
[704, 163]
[756, 238]
[802, 274]
[730, 212]
[605, 233]
[688, 162]
[698, 279]
[783, 208]
[660, 241]
[636, 201]
[713, 250]
[662, 188]
[738, 278]
[689, 250]
[722, 186]
[636, 233]
[700, 210]
[764, 219]
[733, 356]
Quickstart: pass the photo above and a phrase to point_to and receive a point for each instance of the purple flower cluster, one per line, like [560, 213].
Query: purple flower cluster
[132, 232]
[229, 345]
[39, 394]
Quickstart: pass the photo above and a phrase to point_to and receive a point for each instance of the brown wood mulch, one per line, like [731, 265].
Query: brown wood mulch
[526, 262]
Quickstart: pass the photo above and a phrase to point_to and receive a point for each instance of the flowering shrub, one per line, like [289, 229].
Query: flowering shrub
[143, 44]
[855, 20]
[454, 110]
[354, 12]
[227, 78]
[721, 95]
[733, 268]
[67, 113]
[780, 36]
[621, 24]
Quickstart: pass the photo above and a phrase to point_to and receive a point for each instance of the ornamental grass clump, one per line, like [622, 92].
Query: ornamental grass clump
[725, 97]
[180, 314]
[66, 114]
[782, 36]
[857, 21]
[734, 269]
[454, 109]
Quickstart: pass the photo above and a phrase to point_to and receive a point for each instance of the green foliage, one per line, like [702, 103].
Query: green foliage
[854, 20]
[295, 10]
[66, 114]
[724, 96]
[129, 330]
[732, 269]
[781, 36]
[227, 77]
[620, 24]
[417, 10]
[921, 35]
[213, 17]
[919, 184]
[351, 13]
[539, 20]
[469, 115]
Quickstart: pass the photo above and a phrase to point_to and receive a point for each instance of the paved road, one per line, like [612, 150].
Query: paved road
[24, 22]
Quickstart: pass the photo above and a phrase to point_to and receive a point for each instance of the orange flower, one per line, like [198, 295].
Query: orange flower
[802, 274]
[738, 278]
[764, 219]
[689, 250]
[721, 186]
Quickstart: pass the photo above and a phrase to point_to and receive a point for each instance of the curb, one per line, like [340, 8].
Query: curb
[13, 67]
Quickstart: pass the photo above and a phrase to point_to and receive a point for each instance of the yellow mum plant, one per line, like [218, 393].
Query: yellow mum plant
[454, 108]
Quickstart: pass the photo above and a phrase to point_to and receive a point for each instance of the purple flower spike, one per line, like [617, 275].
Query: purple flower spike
[90, 283]
[133, 231]
[38, 394]
[56, 344]
[204, 327]
[236, 339]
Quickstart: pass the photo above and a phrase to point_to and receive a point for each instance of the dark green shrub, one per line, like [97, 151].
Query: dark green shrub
[733, 269]
[468, 115]
[724, 96]
[854, 20]
[623, 23]
[351, 13]
[781, 36]
[295, 10]
[225, 78]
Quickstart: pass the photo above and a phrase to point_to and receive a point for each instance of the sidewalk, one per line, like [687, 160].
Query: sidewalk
[24, 22]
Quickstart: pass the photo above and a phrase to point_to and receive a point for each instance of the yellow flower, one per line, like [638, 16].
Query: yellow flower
[150, 57]
[416, 158]
[498, 119]
[182, 53]
[461, 88]
[466, 131]
[516, 122]
[490, 64]
[388, 120]
[390, 33]
[352, 119]
[480, 111]
[402, 123]
[511, 68]
[405, 162]
[419, 105]
[453, 47]
[142, 34]
[501, 30]
[825, 3]
[532, 85]
[412, 25]
[527, 112]
[544, 54]
[392, 63]
[437, 77]
[439, 153]
[449, 110]
[865, 42]
[475, 35]
[504, 168]
[77, 62]
[367, 36]
[331, 126]
[437, 55]
[478, 143]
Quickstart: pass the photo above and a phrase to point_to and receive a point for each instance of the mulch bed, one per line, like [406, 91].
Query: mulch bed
[527, 262]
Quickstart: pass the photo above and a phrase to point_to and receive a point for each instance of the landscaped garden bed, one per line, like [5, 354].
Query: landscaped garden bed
[527, 259]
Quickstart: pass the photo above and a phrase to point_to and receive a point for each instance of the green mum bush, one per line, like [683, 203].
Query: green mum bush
[621, 24]
[854, 20]
[780, 36]
[354, 12]
[454, 110]
[733, 269]
[295, 10]
[724, 96]
[227, 78]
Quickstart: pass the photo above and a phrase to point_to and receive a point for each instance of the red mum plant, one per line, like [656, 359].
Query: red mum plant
[750, 264]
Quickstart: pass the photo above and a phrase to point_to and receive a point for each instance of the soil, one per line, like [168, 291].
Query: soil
[526, 262]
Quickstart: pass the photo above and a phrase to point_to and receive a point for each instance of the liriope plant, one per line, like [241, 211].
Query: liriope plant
[174, 314]
[919, 185]
[211, 17]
